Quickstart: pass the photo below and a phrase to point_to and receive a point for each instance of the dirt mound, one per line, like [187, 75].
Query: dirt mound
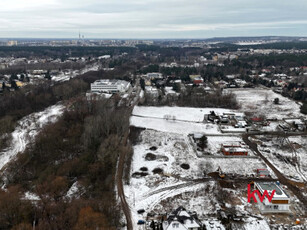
[144, 169]
[150, 157]
[153, 148]
[185, 166]
[141, 211]
[139, 174]
[226, 184]
[214, 174]
[157, 171]
[162, 158]
[134, 134]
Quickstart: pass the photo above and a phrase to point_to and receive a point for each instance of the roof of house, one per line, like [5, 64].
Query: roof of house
[187, 219]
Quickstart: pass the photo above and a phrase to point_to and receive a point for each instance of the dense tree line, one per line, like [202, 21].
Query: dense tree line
[83, 145]
[285, 60]
[230, 47]
[215, 99]
[193, 97]
[34, 98]
[22, 102]
[61, 52]
[25, 67]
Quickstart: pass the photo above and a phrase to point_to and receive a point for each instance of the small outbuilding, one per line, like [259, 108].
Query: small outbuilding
[234, 150]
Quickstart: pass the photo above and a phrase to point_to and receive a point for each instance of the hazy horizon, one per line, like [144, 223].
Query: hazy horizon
[93, 38]
[151, 19]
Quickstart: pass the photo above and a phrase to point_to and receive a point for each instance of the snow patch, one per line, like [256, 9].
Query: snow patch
[27, 129]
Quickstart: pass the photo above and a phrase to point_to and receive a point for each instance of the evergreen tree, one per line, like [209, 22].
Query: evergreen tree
[304, 108]
[203, 142]
[47, 75]
[142, 82]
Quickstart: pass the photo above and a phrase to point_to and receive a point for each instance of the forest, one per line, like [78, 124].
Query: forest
[61, 52]
[83, 147]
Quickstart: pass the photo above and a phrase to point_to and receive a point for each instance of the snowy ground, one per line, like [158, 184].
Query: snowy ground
[260, 102]
[178, 186]
[180, 120]
[169, 90]
[167, 128]
[180, 113]
[26, 130]
[180, 127]
[65, 77]
[278, 151]
[215, 144]
[148, 192]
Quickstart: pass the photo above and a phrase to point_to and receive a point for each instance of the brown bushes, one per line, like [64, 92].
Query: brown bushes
[83, 145]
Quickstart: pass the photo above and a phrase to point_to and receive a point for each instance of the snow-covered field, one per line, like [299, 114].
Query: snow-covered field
[180, 120]
[180, 113]
[167, 129]
[173, 126]
[172, 150]
[26, 130]
[178, 186]
[260, 102]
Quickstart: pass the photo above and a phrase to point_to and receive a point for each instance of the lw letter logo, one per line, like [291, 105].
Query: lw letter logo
[252, 195]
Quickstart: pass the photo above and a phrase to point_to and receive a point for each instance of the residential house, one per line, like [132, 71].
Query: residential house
[181, 219]
[263, 173]
[234, 149]
[198, 81]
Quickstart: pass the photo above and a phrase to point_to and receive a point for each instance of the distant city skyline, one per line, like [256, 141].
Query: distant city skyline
[151, 19]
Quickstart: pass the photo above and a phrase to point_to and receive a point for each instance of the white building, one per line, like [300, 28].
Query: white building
[154, 75]
[241, 123]
[240, 82]
[110, 86]
[152, 91]
[104, 57]
[280, 202]
[12, 43]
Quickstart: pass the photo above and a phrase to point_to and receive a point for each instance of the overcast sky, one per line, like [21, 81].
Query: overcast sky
[151, 18]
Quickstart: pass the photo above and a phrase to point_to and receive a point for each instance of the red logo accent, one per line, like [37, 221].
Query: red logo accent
[252, 195]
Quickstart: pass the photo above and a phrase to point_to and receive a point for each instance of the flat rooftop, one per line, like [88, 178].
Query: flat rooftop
[110, 82]
[235, 149]
[270, 186]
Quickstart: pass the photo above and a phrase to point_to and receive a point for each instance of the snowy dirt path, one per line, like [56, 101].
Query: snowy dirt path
[26, 130]
[66, 77]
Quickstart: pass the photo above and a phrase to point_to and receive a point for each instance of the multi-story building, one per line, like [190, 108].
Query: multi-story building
[280, 202]
[12, 43]
[110, 86]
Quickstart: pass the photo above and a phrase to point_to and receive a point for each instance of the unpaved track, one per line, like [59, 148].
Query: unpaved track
[120, 189]
[119, 183]
[279, 175]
